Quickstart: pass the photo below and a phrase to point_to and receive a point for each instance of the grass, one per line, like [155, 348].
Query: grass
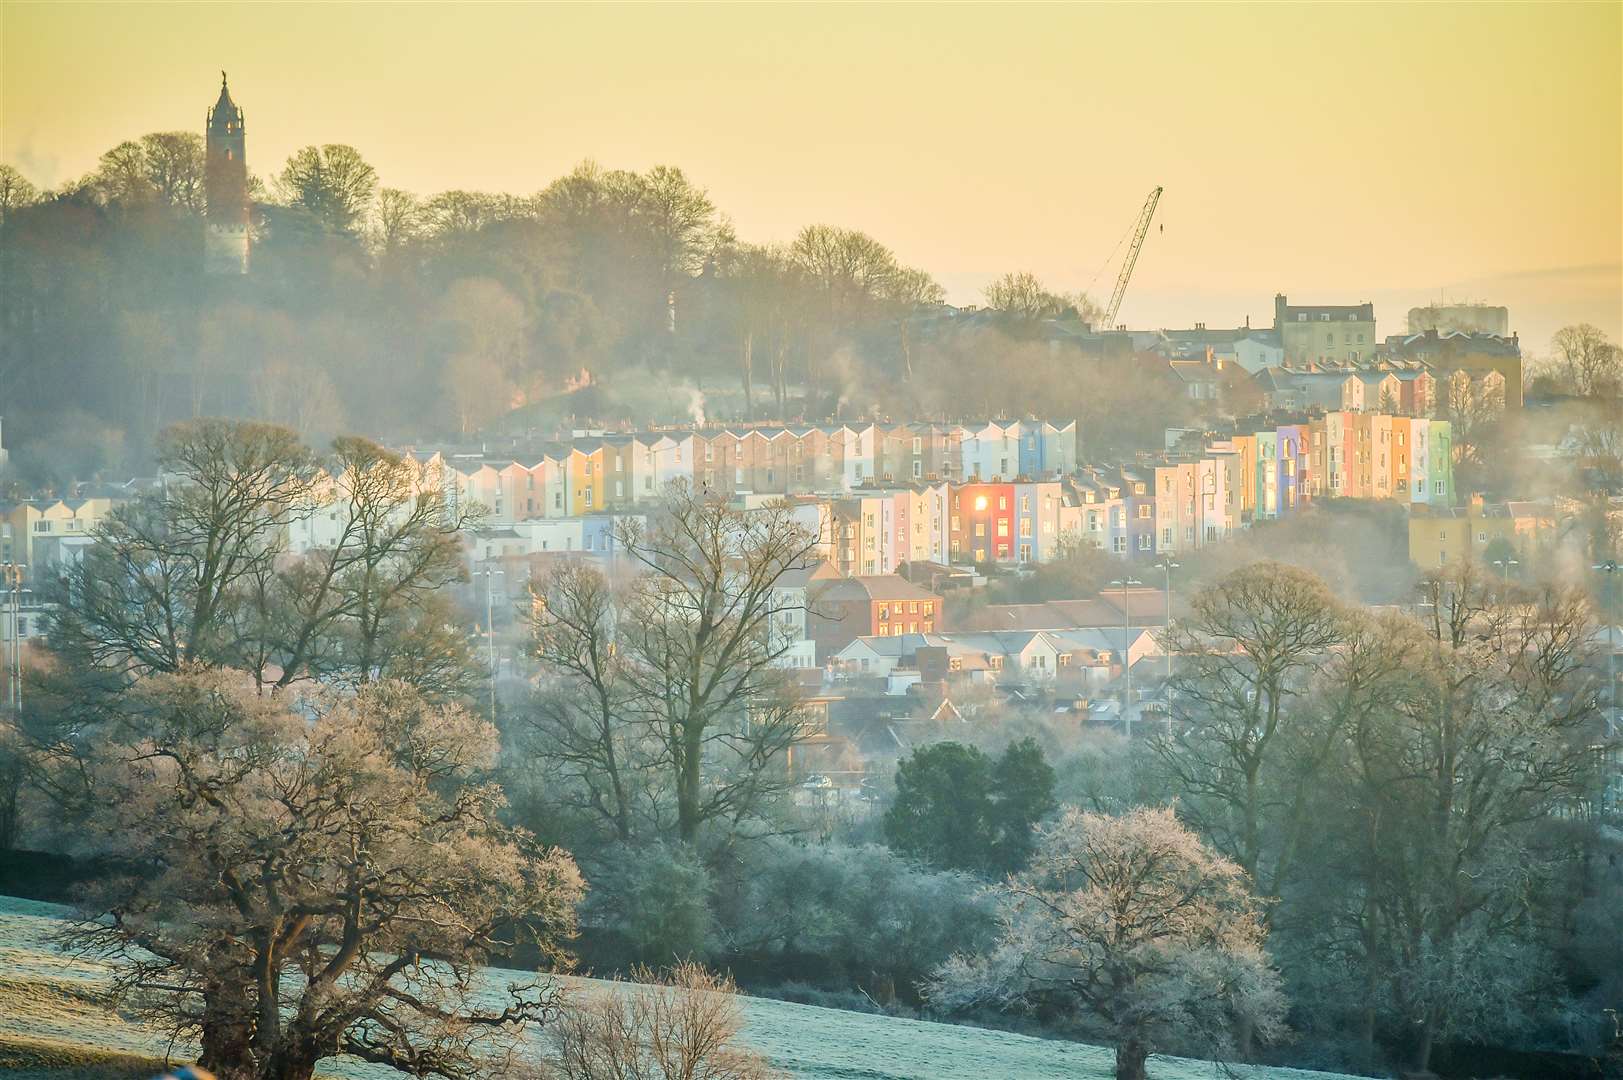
[26, 1058]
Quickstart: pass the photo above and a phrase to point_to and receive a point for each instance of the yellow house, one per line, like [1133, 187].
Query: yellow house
[586, 478]
[1442, 536]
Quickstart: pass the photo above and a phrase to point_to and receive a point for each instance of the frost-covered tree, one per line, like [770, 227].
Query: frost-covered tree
[1140, 928]
[318, 882]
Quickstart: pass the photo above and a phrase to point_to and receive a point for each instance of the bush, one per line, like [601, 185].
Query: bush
[655, 898]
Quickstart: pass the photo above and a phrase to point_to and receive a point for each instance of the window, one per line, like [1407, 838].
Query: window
[918, 446]
[980, 528]
[1166, 537]
[1324, 316]
[1144, 511]
[918, 469]
[1301, 316]
[1144, 542]
[1118, 544]
[1002, 502]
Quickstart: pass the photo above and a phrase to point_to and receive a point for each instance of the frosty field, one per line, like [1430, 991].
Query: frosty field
[45, 994]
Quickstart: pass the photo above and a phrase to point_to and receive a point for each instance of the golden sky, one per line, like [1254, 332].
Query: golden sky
[1394, 153]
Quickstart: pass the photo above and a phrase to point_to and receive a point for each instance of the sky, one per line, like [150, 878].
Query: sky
[1338, 153]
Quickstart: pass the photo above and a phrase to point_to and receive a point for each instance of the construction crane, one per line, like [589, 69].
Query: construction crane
[1140, 231]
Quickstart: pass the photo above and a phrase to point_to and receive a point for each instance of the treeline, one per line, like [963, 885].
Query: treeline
[606, 294]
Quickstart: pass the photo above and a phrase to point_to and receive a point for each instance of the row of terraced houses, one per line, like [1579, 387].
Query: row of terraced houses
[995, 492]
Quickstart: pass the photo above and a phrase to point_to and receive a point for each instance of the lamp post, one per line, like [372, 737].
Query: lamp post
[12, 575]
[1126, 659]
[1167, 566]
[1504, 566]
[1609, 567]
[490, 634]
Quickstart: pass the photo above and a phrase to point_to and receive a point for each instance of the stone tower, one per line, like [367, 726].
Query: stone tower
[225, 241]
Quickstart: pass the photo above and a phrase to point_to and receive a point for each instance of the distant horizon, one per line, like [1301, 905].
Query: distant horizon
[973, 143]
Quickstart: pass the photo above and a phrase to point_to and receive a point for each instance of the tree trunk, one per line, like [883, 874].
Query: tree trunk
[749, 374]
[1422, 1050]
[1130, 1057]
[295, 1062]
[688, 790]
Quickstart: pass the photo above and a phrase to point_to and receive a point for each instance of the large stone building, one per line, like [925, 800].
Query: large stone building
[226, 239]
[1335, 333]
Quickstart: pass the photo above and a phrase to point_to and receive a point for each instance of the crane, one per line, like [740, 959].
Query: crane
[1140, 231]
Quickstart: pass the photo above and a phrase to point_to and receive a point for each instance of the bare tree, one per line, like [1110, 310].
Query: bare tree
[16, 192]
[1459, 748]
[332, 182]
[588, 721]
[1020, 293]
[1590, 365]
[1138, 925]
[153, 592]
[681, 1024]
[201, 573]
[400, 219]
[175, 166]
[697, 637]
[1249, 644]
[318, 882]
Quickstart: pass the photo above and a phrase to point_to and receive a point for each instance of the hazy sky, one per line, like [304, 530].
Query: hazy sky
[1335, 152]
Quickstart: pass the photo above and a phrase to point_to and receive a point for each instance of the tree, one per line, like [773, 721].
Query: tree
[333, 183]
[16, 192]
[400, 219]
[677, 1024]
[852, 270]
[1590, 365]
[587, 724]
[957, 809]
[877, 919]
[1134, 923]
[200, 574]
[697, 638]
[1247, 647]
[153, 593]
[312, 883]
[175, 165]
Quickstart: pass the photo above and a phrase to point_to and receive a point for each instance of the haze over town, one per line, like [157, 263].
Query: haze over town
[915, 541]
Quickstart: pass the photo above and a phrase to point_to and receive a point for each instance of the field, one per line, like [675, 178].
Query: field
[54, 1024]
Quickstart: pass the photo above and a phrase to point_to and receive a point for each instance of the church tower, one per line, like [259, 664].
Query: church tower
[225, 240]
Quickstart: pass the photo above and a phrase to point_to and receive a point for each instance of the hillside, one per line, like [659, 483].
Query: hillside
[48, 999]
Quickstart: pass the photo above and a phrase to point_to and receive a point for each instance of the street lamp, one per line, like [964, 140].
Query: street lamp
[490, 633]
[1126, 659]
[12, 575]
[1504, 565]
[1609, 567]
[1167, 566]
